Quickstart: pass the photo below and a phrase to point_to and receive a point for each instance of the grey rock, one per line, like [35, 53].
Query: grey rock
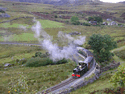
[7, 65]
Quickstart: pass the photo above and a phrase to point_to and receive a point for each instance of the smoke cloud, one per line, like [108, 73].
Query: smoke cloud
[76, 41]
[54, 50]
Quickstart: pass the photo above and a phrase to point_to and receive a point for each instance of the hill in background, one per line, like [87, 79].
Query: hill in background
[59, 2]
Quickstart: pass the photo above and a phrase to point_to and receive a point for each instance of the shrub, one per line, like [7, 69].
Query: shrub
[86, 24]
[96, 18]
[38, 54]
[75, 20]
[56, 16]
[19, 86]
[23, 61]
[118, 79]
[37, 62]
[67, 21]
[61, 61]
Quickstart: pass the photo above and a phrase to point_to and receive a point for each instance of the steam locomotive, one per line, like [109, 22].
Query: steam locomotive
[83, 66]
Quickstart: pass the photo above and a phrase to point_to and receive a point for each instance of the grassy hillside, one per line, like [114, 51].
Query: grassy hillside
[102, 83]
[19, 30]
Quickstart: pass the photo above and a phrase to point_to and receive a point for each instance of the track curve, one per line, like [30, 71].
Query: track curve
[68, 82]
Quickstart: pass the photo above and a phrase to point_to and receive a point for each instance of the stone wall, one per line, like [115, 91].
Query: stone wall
[15, 19]
[111, 66]
[81, 84]
[84, 83]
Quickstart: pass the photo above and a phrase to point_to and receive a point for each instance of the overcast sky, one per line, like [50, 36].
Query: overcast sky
[112, 1]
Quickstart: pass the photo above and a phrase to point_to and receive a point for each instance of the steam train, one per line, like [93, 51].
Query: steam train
[83, 66]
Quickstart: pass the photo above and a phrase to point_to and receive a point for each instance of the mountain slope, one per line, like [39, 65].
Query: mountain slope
[58, 2]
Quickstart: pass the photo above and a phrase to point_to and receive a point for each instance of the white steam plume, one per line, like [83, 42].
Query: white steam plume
[77, 41]
[55, 52]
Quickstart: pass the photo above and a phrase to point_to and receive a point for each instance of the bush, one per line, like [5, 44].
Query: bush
[86, 24]
[61, 61]
[18, 86]
[56, 16]
[23, 61]
[96, 18]
[75, 20]
[39, 54]
[118, 79]
[67, 21]
[37, 62]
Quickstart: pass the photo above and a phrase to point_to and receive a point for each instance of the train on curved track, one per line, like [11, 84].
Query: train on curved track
[83, 66]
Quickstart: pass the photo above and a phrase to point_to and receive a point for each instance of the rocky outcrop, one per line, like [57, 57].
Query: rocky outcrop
[4, 15]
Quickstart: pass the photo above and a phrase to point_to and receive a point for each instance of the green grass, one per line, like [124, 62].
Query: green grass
[38, 78]
[116, 58]
[96, 85]
[17, 52]
[103, 81]
[43, 77]
[20, 37]
[50, 24]
[44, 23]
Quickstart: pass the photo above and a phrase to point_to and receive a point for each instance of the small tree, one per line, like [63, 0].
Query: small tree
[96, 18]
[90, 18]
[101, 45]
[75, 20]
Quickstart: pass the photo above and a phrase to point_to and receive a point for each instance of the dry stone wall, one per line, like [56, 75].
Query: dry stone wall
[81, 84]
[111, 66]
[91, 80]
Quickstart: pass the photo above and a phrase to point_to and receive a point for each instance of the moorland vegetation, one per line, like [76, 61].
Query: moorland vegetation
[15, 77]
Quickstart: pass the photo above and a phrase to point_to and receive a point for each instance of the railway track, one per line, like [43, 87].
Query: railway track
[70, 80]
[66, 83]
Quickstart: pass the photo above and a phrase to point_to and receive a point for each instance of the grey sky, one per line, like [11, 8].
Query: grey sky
[112, 1]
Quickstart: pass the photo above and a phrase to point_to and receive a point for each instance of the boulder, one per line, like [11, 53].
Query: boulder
[7, 65]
